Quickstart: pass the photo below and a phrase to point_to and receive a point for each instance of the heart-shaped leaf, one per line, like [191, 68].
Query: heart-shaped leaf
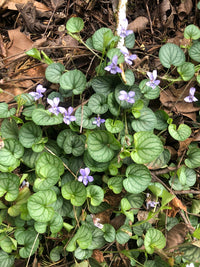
[154, 239]
[54, 71]
[97, 104]
[171, 54]
[114, 126]
[146, 122]
[39, 205]
[180, 134]
[74, 24]
[44, 117]
[147, 147]
[102, 146]
[29, 134]
[4, 112]
[75, 192]
[138, 178]
[73, 80]
[96, 194]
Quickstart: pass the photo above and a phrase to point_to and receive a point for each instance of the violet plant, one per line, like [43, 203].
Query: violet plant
[73, 156]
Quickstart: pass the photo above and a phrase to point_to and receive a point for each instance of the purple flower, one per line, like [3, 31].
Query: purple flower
[98, 121]
[151, 204]
[128, 97]
[85, 178]
[191, 98]
[128, 58]
[55, 109]
[67, 116]
[122, 30]
[113, 68]
[153, 82]
[38, 94]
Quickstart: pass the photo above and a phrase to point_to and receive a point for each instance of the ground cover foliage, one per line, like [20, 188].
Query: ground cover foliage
[100, 157]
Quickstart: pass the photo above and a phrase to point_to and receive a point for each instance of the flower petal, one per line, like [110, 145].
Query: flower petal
[192, 91]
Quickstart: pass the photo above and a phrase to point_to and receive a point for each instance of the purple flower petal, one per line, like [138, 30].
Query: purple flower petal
[192, 91]
[131, 94]
[87, 171]
[115, 59]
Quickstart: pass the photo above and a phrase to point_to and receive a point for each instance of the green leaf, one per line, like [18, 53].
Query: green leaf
[6, 260]
[146, 122]
[113, 105]
[29, 158]
[82, 254]
[98, 240]
[44, 117]
[162, 118]
[54, 71]
[115, 52]
[55, 253]
[161, 161]
[142, 228]
[102, 146]
[74, 145]
[130, 77]
[29, 239]
[93, 165]
[104, 84]
[126, 209]
[109, 232]
[6, 243]
[138, 178]
[34, 53]
[97, 104]
[22, 198]
[136, 201]
[147, 147]
[130, 40]
[186, 71]
[114, 126]
[194, 52]
[148, 92]
[171, 54]
[83, 237]
[9, 129]
[4, 112]
[29, 134]
[25, 99]
[192, 32]
[154, 239]
[180, 134]
[116, 184]
[11, 153]
[47, 159]
[98, 38]
[96, 194]
[75, 192]
[74, 24]
[56, 223]
[193, 158]
[39, 205]
[83, 119]
[27, 111]
[123, 234]
[121, 87]
[73, 80]
[62, 136]
[49, 176]
[190, 253]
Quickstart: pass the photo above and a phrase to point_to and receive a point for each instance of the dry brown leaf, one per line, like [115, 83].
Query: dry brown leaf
[165, 9]
[183, 145]
[143, 215]
[176, 235]
[176, 206]
[184, 8]
[98, 255]
[118, 221]
[9, 4]
[173, 100]
[139, 24]
[19, 43]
